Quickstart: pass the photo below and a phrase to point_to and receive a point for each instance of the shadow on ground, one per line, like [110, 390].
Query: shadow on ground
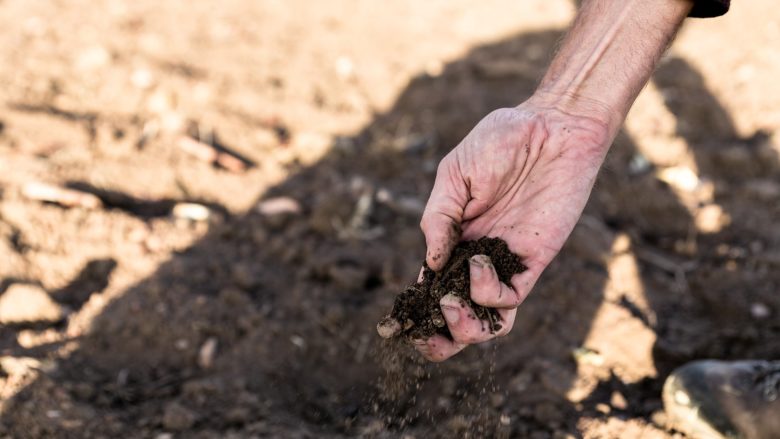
[292, 299]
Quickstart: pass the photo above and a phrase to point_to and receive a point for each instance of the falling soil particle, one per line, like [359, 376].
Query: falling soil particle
[416, 312]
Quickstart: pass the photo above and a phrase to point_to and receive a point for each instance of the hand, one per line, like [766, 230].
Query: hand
[524, 175]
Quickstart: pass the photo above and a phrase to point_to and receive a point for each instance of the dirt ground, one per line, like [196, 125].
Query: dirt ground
[259, 321]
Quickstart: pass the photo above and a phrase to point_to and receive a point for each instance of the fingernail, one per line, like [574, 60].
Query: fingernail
[452, 315]
[479, 262]
[450, 307]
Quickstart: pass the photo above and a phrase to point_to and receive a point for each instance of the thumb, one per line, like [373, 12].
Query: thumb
[443, 214]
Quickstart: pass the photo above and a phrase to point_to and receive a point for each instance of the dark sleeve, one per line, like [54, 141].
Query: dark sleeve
[709, 8]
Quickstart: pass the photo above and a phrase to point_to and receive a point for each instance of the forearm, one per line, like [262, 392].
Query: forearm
[608, 56]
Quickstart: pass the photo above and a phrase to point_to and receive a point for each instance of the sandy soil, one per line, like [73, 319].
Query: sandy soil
[260, 323]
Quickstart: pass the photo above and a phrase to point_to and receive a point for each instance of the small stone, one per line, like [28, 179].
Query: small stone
[207, 352]
[177, 417]
[603, 408]
[63, 196]
[679, 177]
[53, 414]
[278, 206]
[759, 311]
[639, 164]
[589, 356]
[618, 401]
[298, 341]
[28, 303]
[191, 211]
[711, 219]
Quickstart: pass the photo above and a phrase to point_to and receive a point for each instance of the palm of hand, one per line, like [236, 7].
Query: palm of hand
[523, 175]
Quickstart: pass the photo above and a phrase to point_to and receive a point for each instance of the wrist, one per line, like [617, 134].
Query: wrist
[579, 106]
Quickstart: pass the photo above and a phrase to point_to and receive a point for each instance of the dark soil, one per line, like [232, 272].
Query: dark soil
[417, 307]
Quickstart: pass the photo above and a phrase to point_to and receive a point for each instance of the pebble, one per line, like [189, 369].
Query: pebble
[759, 311]
[207, 353]
[711, 219]
[618, 401]
[679, 177]
[278, 206]
[28, 303]
[191, 211]
[63, 196]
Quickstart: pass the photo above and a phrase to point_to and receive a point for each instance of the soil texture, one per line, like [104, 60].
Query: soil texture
[417, 310]
[240, 190]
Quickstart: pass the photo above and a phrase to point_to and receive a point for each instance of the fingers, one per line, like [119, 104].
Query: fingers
[465, 328]
[487, 289]
[438, 348]
[464, 325]
[443, 215]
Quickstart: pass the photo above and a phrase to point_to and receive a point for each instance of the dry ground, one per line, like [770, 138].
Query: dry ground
[261, 324]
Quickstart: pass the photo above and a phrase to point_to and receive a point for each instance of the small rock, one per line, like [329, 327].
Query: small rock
[28, 303]
[177, 417]
[588, 356]
[191, 211]
[639, 164]
[298, 341]
[278, 206]
[207, 352]
[618, 401]
[63, 196]
[603, 408]
[711, 219]
[679, 177]
[759, 311]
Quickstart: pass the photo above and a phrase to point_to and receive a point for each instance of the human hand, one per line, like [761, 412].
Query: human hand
[523, 175]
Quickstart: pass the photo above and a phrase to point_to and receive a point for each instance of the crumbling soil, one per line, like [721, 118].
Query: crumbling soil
[417, 307]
